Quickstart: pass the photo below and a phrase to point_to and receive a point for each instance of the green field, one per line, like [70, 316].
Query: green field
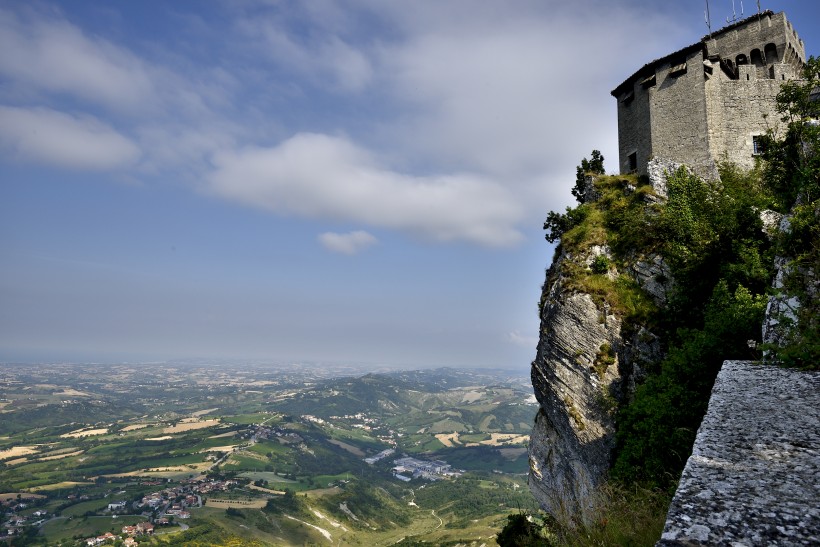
[332, 490]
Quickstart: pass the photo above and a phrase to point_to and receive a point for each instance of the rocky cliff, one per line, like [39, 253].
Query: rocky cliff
[592, 349]
[675, 257]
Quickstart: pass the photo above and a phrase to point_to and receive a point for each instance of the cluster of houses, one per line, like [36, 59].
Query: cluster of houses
[178, 499]
[174, 501]
[410, 468]
[141, 529]
[371, 425]
[14, 523]
[282, 435]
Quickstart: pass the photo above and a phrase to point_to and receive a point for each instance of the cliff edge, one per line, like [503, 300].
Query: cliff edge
[594, 343]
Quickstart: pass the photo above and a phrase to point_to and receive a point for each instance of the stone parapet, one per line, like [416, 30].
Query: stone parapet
[754, 474]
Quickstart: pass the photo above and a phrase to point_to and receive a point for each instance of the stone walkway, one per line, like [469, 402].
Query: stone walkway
[754, 474]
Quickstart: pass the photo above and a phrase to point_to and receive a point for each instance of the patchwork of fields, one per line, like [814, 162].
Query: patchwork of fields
[75, 439]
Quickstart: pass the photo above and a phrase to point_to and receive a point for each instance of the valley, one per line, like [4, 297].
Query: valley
[260, 454]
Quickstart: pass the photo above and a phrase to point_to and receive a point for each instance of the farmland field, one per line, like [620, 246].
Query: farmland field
[280, 464]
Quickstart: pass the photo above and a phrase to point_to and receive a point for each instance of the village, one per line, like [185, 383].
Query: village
[161, 508]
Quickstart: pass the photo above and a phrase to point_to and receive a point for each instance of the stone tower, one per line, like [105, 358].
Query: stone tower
[711, 100]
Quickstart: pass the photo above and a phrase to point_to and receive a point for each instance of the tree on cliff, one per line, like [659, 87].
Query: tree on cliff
[521, 531]
[558, 223]
[592, 166]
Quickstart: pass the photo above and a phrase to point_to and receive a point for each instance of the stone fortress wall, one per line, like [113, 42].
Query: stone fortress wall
[708, 101]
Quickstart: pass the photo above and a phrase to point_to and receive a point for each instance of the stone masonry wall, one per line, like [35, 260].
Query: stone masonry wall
[633, 118]
[714, 109]
[679, 116]
[755, 34]
[739, 110]
[752, 478]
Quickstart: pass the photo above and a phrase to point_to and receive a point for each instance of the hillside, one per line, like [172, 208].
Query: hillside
[260, 455]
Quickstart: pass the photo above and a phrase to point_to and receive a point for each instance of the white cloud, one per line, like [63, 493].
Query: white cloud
[77, 142]
[321, 57]
[178, 112]
[53, 55]
[462, 115]
[350, 243]
[518, 94]
[320, 176]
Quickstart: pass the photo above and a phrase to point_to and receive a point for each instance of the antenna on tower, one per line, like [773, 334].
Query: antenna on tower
[708, 19]
[734, 13]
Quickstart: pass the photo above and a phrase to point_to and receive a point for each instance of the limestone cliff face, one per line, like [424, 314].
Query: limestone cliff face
[586, 365]
[588, 362]
[572, 438]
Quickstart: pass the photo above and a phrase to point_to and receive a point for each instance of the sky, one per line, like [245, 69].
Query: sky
[304, 181]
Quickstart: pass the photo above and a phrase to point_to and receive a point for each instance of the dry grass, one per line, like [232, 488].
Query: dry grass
[84, 433]
[58, 485]
[502, 439]
[350, 448]
[134, 427]
[448, 439]
[163, 438]
[236, 504]
[69, 392]
[199, 413]
[170, 472]
[184, 425]
[617, 516]
[17, 451]
[60, 456]
[471, 396]
[266, 490]
[23, 495]
[221, 435]
[226, 448]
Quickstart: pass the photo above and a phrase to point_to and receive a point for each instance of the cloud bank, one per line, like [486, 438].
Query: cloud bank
[450, 122]
[319, 176]
[80, 142]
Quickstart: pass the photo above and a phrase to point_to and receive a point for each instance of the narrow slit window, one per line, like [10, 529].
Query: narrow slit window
[758, 145]
[628, 98]
[633, 162]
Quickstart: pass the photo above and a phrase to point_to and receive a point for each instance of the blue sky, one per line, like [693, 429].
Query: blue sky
[351, 181]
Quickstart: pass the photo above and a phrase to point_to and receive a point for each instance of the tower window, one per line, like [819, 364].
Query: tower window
[633, 162]
[758, 144]
[628, 98]
[678, 68]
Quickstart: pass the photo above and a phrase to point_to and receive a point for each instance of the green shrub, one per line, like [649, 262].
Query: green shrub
[657, 429]
[600, 264]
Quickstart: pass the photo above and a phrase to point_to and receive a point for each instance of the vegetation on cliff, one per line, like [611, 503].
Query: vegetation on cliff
[721, 260]
[793, 170]
[711, 236]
